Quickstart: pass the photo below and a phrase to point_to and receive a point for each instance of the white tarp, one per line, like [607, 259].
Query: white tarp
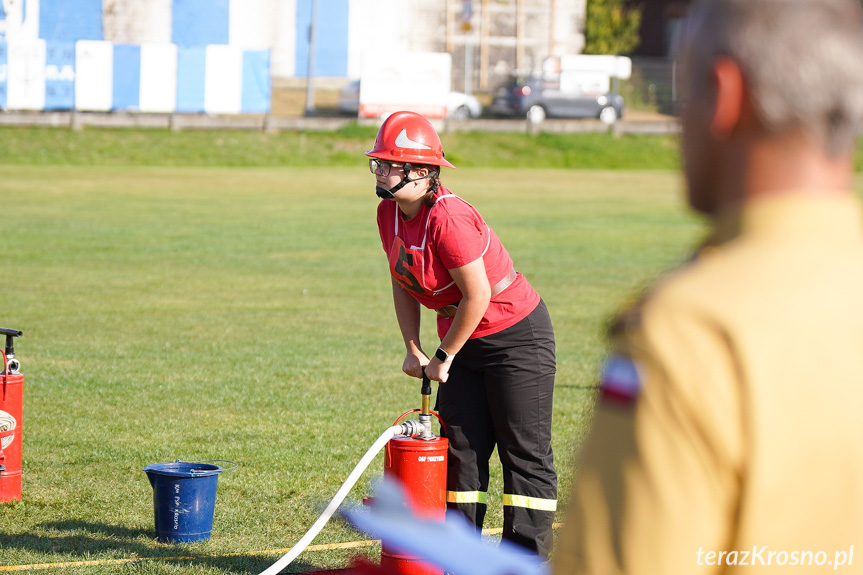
[418, 81]
[619, 66]
[364, 31]
[592, 74]
[21, 22]
[94, 82]
[223, 84]
[102, 76]
[252, 25]
[26, 75]
[284, 48]
[158, 78]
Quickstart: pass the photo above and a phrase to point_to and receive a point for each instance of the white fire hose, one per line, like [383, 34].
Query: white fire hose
[7, 423]
[409, 428]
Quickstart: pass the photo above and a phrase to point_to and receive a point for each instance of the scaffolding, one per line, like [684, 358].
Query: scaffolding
[492, 39]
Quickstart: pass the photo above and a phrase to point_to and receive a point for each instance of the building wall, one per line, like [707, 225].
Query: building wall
[64, 20]
[331, 37]
[152, 56]
[132, 22]
[659, 23]
[505, 35]
[376, 28]
[567, 27]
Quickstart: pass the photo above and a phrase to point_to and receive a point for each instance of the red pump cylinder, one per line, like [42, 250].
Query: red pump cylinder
[11, 420]
[11, 428]
[420, 466]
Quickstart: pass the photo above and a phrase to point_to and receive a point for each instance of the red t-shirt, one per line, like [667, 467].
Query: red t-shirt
[446, 236]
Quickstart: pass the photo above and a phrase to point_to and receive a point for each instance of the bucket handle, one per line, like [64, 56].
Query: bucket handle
[210, 471]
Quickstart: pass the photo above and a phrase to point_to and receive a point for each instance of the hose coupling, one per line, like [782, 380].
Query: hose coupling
[411, 428]
[14, 366]
[426, 423]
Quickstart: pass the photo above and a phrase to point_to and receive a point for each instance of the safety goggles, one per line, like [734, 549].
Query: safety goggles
[377, 166]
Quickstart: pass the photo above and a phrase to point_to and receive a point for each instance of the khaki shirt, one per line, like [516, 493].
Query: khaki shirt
[730, 419]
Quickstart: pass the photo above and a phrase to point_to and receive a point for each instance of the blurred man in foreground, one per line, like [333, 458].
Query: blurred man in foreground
[729, 428]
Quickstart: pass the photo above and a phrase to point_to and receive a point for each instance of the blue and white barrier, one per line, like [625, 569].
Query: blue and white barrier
[93, 75]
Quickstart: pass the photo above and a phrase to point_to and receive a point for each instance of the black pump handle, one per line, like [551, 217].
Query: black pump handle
[10, 333]
[426, 387]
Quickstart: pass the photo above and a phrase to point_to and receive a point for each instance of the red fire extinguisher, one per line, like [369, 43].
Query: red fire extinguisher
[419, 464]
[11, 420]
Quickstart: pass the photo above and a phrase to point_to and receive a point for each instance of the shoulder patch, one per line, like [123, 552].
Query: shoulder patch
[620, 381]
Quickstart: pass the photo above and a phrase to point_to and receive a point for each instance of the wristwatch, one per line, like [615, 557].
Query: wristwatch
[442, 355]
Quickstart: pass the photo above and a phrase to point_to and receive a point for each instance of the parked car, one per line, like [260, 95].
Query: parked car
[536, 98]
[459, 106]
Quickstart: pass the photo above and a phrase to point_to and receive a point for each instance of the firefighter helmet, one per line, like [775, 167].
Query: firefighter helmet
[408, 137]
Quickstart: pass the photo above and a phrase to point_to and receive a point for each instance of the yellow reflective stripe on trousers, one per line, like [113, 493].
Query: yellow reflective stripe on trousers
[530, 502]
[466, 497]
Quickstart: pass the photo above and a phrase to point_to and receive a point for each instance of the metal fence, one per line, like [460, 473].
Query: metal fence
[271, 124]
[652, 85]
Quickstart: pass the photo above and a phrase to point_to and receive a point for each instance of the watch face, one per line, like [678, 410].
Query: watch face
[441, 354]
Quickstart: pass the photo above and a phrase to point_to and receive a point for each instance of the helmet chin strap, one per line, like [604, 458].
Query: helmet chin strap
[383, 193]
[391, 193]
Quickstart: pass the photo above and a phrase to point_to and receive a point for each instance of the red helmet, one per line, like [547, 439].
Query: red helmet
[408, 137]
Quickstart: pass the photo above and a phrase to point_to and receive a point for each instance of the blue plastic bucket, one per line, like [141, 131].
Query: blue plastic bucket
[184, 499]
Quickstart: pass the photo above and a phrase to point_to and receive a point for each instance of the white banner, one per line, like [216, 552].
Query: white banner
[94, 82]
[219, 79]
[223, 86]
[158, 78]
[21, 22]
[252, 25]
[613, 66]
[415, 81]
[26, 75]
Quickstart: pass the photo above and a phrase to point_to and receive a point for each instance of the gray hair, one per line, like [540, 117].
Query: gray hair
[802, 60]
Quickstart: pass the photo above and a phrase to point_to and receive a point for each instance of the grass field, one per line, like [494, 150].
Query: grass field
[243, 313]
[344, 147]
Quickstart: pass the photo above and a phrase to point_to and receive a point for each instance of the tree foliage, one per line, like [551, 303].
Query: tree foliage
[611, 27]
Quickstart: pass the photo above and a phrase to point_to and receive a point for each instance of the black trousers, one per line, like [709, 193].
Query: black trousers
[499, 392]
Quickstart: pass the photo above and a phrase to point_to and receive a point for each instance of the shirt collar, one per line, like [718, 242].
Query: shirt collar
[804, 215]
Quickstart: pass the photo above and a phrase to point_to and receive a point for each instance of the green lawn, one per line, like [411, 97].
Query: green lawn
[224, 295]
[344, 147]
[245, 314]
